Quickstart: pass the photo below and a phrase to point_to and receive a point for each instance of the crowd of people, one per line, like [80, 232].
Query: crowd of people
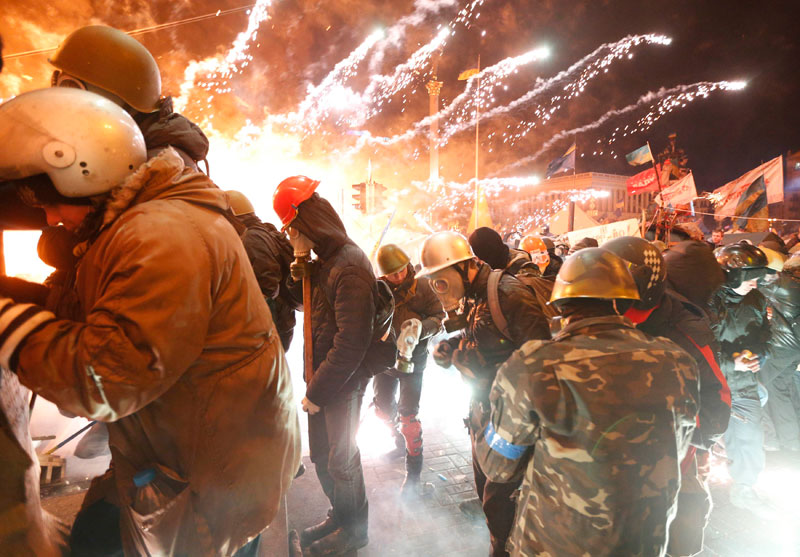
[601, 379]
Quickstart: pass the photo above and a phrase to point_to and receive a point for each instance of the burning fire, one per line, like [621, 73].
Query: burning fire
[19, 247]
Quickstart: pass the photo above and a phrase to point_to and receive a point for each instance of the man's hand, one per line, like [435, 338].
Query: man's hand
[443, 354]
[746, 361]
[310, 407]
[301, 268]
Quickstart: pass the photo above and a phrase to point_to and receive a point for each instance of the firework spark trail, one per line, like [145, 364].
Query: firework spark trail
[217, 70]
[396, 33]
[667, 100]
[310, 112]
[587, 68]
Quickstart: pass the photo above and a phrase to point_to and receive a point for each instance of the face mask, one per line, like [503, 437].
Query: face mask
[300, 242]
[541, 259]
[448, 285]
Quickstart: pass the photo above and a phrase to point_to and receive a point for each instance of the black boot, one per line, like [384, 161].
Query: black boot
[314, 533]
[340, 542]
[411, 485]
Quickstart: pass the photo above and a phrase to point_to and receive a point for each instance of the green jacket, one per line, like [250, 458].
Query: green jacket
[597, 420]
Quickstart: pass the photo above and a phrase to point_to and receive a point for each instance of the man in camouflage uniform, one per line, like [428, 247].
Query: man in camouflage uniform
[413, 300]
[464, 287]
[597, 420]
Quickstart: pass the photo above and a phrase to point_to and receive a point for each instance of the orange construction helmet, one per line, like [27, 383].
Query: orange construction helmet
[289, 195]
[531, 243]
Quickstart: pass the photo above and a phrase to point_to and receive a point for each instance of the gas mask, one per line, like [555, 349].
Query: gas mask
[448, 285]
[301, 243]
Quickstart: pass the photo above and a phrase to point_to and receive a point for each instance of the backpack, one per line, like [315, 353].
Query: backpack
[540, 287]
[382, 349]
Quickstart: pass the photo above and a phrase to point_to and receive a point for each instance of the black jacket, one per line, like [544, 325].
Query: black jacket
[271, 254]
[166, 128]
[414, 298]
[783, 295]
[343, 296]
[483, 346]
[687, 326]
[740, 323]
[518, 261]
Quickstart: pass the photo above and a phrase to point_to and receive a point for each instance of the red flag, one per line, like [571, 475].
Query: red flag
[642, 182]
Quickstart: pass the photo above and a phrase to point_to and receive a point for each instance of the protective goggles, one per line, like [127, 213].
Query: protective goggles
[61, 79]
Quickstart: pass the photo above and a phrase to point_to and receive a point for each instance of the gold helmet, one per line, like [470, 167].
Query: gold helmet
[240, 205]
[443, 249]
[594, 273]
[391, 259]
[111, 60]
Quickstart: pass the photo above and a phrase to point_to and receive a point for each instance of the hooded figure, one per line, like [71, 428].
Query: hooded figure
[343, 308]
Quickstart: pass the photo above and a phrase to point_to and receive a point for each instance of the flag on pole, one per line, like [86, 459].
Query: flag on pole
[466, 74]
[639, 156]
[564, 163]
[682, 191]
[643, 182]
[749, 195]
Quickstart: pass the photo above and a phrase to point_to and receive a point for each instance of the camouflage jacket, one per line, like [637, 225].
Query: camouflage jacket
[597, 420]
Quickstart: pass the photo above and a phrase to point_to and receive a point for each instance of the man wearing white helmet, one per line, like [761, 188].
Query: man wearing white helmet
[496, 315]
[177, 351]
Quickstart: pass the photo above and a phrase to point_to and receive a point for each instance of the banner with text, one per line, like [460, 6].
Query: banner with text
[642, 182]
[605, 232]
[682, 191]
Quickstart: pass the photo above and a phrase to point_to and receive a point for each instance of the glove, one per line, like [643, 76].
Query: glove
[17, 321]
[443, 354]
[299, 269]
[23, 290]
[469, 362]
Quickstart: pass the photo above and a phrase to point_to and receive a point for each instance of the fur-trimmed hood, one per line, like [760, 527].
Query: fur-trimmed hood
[165, 176]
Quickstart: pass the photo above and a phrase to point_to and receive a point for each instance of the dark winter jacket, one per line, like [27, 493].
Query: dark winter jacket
[483, 347]
[554, 266]
[271, 254]
[693, 271]
[414, 299]
[685, 325]
[783, 295]
[166, 128]
[518, 261]
[740, 323]
[343, 297]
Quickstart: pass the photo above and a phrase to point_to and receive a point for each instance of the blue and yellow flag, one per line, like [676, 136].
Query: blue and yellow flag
[564, 163]
[753, 203]
[639, 156]
[466, 74]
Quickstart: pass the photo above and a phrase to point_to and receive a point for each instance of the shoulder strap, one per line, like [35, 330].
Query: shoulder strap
[493, 295]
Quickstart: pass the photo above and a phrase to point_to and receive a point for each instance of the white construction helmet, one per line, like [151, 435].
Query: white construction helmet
[443, 249]
[85, 143]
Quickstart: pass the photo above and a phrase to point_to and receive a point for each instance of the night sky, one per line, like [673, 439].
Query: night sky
[724, 135]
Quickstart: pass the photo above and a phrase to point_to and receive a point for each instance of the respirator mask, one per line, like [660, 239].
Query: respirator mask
[448, 285]
[541, 259]
[301, 243]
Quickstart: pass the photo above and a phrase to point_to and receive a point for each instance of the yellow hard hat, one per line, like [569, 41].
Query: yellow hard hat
[594, 273]
[239, 203]
[443, 249]
[391, 259]
[113, 61]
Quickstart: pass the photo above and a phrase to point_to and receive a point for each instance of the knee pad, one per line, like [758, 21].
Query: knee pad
[411, 428]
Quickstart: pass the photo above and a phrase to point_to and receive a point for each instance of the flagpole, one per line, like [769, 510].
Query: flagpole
[477, 136]
[571, 210]
[658, 178]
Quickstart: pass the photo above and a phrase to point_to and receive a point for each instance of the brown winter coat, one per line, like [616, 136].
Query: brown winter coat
[178, 353]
